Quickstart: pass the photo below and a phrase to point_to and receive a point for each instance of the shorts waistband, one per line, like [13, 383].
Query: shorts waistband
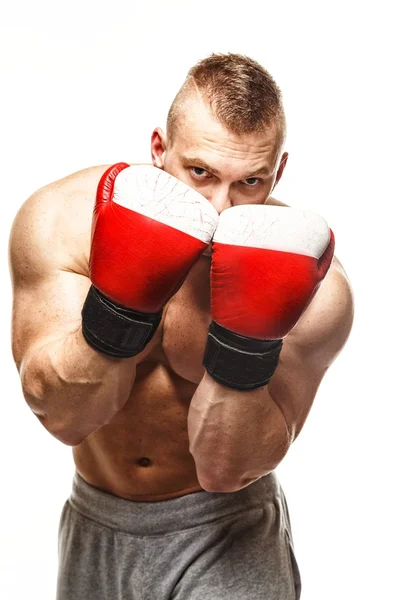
[166, 516]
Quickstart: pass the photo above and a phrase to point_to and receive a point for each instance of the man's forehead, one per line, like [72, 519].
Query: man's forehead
[199, 128]
[209, 150]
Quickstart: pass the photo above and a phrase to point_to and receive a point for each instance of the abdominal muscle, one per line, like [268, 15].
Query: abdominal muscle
[143, 453]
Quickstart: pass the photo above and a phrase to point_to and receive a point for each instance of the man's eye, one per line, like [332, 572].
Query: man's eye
[251, 181]
[199, 172]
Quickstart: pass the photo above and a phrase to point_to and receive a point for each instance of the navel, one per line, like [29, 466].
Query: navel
[143, 462]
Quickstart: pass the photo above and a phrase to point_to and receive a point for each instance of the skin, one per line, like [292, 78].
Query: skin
[164, 422]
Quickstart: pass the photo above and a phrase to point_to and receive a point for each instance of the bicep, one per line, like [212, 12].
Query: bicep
[47, 297]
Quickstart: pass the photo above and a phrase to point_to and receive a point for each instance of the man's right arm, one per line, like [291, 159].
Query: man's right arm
[148, 230]
[72, 389]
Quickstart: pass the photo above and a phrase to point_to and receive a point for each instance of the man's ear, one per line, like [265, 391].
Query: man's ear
[158, 147]
[281, 168]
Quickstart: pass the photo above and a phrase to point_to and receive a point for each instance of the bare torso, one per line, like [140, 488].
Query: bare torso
[143, 453]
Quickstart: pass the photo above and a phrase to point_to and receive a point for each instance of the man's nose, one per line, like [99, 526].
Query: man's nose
[220, 198]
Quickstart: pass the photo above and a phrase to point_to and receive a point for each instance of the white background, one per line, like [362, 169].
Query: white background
[84, 83]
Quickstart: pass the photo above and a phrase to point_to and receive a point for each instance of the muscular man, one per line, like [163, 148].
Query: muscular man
[172, 323]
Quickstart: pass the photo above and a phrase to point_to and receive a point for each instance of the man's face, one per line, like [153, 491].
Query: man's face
[225, 168]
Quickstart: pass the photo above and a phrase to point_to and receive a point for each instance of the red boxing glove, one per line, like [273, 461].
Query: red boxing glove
[267, 264]
[148, 229]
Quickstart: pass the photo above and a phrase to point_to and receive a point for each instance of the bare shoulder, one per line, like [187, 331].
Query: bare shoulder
[54, 224]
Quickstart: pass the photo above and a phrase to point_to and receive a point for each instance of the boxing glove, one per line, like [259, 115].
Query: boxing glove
[148, 229]
[267, 265]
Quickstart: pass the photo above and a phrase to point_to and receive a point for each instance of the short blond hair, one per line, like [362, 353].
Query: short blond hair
[241, 94]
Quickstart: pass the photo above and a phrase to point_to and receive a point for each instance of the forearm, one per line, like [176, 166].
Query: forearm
[73, 389]
[235, 436]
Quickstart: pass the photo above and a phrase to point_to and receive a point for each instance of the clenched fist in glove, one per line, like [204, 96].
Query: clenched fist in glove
[148, 229]
[267, 264]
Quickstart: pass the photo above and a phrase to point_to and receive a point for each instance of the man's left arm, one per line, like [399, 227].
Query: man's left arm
[238, 436]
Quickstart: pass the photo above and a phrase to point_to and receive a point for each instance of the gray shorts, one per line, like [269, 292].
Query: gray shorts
[202, 546]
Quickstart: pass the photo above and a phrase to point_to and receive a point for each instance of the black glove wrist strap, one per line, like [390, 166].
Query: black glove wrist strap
[115, 330]
[240, 362]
